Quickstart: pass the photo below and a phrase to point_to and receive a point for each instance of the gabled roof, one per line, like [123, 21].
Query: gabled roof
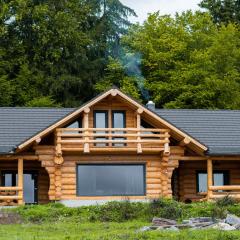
[218, 130]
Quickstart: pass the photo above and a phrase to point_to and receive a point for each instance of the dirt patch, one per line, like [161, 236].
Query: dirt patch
[10, 218]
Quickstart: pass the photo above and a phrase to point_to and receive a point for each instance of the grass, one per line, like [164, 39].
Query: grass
[104, 231]
[115, 220]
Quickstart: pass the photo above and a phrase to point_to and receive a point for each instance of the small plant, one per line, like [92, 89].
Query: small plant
[225, 201]
[219, 212]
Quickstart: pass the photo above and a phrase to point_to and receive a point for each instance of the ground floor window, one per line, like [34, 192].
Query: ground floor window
[220, 178]
[30, 178]
[111, 180]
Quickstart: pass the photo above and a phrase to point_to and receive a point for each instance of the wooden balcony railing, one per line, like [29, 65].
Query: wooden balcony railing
[226, 190]
[10, 195]
[118, 139]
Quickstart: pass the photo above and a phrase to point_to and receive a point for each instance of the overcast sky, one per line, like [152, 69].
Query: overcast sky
[143, 7]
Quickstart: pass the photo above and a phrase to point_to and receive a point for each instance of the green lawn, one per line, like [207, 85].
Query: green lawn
[111, 231]
[115, 220]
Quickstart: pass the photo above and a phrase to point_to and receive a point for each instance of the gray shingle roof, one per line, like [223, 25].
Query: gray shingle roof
[19, 124]
[218, 130]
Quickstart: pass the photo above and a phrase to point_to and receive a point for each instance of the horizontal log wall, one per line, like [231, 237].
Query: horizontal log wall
[188, 181]
[63, 178]
[43, 179]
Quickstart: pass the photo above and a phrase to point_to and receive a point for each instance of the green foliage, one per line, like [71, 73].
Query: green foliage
[188, 61]
[42, 102]
[116, 74]
[166, 208]
[121, 211]
[118, 211]
[57, 48]
[223, 11]
[225, 201]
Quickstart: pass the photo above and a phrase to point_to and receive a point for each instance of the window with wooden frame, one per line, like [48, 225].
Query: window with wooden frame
[220, 178]
[100, 120]
[111, 180]
[119, 121]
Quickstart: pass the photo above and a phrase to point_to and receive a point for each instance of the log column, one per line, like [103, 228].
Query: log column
[209, 177]
[20, 181]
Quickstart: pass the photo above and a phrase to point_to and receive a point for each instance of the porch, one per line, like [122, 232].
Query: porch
[22, 182]
[201, 178]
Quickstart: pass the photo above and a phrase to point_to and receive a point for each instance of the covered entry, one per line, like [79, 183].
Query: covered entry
[23, 182]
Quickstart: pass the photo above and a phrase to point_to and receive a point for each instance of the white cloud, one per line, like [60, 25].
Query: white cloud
[143, 7]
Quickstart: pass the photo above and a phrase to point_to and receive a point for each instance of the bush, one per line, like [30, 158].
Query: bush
[120, 211]
[166, 208]
[117, 211]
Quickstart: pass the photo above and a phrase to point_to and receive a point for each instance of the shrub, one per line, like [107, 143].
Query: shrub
[166, 208]
[117, 211]
[225, 201]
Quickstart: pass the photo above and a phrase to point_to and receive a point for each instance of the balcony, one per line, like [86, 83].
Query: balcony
[112, 140]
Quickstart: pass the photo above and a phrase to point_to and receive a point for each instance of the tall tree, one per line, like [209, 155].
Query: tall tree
[57, 49]
[223, 11]
[188, 61]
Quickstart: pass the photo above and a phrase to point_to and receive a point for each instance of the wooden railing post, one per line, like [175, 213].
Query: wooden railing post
[139, 145]
[209, 177]
[20, 181]
[86, 132]
[166, 144]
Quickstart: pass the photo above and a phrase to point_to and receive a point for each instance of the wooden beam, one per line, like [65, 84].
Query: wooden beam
[20, 181]
[184, 142]
[16, 197]
[16, 157]
[192, 158]
[139, 145]
[86, 138]
[209, 177]
[226, 187]
[202, 158]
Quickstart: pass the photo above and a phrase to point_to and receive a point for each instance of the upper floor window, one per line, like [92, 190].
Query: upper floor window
[119, 121]
[100, 120]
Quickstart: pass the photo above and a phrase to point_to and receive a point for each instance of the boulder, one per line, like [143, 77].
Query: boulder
[232, 219]
[163, 221]
[223, 226]
[144, 229]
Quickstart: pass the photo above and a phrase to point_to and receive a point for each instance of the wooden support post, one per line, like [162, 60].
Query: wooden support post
[209, 177]
[166, 145]
[86, 132]
[139, 146]
[20, 181]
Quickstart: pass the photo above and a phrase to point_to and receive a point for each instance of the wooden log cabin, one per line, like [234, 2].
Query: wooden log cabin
[114, 148]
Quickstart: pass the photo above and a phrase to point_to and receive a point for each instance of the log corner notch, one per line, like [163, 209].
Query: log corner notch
[58, 159]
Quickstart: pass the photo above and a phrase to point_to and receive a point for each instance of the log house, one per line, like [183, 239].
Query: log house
[114, 148]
